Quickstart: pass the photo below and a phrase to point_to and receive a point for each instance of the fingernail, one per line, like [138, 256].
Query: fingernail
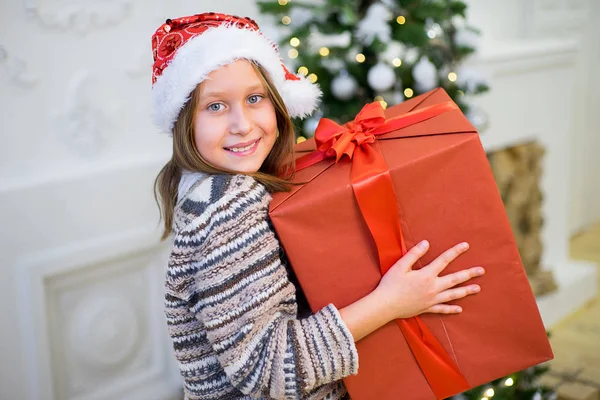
[475, 289]
[480, 271]
[423, 244]
[464, 245]
[458, 309]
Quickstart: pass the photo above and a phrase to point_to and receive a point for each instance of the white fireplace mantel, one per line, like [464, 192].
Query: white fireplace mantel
[531, 98]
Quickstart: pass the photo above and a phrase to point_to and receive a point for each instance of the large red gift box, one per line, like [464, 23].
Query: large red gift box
[380, 184]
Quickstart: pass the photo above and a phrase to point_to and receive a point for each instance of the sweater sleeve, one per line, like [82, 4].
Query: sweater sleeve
[240, 292]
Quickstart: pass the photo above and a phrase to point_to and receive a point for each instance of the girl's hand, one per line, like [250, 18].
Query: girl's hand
[405, 292]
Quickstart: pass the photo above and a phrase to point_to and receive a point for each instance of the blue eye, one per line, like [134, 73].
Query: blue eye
[255, 98]
[215, 107]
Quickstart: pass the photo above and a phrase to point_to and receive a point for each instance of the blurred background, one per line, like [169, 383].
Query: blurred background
[82, 266]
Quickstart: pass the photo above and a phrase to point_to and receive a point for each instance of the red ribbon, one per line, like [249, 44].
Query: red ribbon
[374, 192]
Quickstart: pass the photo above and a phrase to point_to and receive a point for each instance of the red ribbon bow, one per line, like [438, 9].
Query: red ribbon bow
[374, 192]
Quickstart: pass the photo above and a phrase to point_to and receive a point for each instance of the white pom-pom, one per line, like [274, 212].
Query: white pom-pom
[301, 97]
[381, 77]
[411, 55]
[425, 75]
[343, 86]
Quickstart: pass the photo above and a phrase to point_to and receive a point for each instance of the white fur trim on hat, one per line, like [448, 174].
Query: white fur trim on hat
[213, 49]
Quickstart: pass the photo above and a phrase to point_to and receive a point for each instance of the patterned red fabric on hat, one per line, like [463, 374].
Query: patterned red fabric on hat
[175, 32]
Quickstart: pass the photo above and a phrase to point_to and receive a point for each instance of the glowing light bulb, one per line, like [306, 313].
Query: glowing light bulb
[401, 20]
[452, 76]
[324, 51]
[509, 382]
[282, 2]
[286, 20]
[397, 62]
[313, 78]
[303, 71]
[490, 392]
[293, 53]
[360, 58]
[295, 42]
[300, 139]
[408, 93]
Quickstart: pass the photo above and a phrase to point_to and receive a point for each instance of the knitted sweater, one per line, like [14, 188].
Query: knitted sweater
[231, 308]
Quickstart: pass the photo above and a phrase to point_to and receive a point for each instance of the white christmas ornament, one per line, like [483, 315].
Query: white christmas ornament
[381, 77]
[425, 75]
[434, 29]
[310, 125]
[375, 24]
[411, 55]
[393, 50]
[343, 86]
[396, 49]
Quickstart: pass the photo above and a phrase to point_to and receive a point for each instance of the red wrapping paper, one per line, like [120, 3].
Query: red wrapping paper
[445, 193]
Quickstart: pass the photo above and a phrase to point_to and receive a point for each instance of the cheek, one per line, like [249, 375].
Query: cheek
[206, 137]
[268, 122]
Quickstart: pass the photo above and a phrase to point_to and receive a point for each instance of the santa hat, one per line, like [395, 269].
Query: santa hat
[187, 49]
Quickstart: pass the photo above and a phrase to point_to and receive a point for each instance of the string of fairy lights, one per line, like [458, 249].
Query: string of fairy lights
[360, 58]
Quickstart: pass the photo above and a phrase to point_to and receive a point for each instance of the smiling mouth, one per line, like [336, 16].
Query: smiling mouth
[243, 150]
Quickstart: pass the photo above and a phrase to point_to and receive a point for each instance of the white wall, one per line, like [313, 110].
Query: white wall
[513, 19]
[81, 266]
[80, 295]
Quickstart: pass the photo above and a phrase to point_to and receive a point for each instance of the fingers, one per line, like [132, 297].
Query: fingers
[451, 280]
[447, 257]
[457, 293]
[411, 257]
[443, 309]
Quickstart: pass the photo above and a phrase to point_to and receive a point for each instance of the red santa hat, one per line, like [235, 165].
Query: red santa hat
[187, 49]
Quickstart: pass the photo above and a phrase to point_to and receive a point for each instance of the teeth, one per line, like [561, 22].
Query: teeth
[241, 149]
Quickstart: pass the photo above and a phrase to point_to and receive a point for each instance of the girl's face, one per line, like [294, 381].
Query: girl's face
[235, 126]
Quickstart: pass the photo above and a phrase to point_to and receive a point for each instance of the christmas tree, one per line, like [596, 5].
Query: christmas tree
[523, 385]
[361, 51]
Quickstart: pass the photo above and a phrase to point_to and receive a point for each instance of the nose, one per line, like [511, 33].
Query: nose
[241, 121]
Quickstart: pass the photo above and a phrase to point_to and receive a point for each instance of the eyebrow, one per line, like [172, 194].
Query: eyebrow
[253, 88]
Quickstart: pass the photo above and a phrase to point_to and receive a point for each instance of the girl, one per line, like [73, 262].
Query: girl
[220, 89]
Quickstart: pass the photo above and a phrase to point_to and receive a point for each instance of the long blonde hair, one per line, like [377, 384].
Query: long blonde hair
[274, 173]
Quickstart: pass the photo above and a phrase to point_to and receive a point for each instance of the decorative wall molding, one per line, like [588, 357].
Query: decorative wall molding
[86, 120]
[16, 69]
[81, 16]
[522, 107]
[89, 314]
[105, 330]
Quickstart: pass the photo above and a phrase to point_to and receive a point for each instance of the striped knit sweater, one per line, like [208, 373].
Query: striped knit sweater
[231, 307]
